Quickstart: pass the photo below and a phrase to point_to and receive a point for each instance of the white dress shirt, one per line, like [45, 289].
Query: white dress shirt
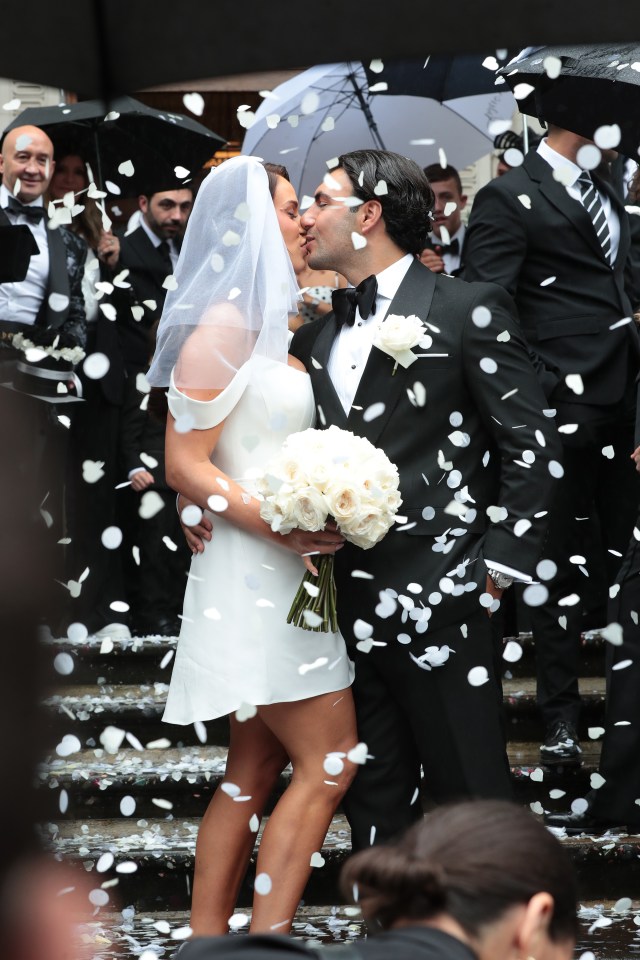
[571, 172]
[20, 302]
[452, 260]
[156, 241]
[352, 346]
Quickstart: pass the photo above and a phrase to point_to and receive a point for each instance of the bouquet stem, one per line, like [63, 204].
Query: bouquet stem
[317, 613]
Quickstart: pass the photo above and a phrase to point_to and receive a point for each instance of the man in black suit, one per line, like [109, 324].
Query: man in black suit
[150, 253]
[558, 242]
[464, 425]
[48, 303]
[444, 250]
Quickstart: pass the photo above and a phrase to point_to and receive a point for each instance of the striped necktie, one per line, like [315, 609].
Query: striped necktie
[593, 205]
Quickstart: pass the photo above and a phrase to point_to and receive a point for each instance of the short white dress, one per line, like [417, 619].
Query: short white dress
[235, 644]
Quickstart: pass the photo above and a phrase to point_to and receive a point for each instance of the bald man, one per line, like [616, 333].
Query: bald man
[48, 303]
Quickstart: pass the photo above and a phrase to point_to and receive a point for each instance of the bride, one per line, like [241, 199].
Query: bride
[234, 394]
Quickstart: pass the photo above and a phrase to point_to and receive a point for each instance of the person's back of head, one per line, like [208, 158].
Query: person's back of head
[473, 862]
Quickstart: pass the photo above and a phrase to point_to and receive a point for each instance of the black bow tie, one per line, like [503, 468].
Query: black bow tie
[453, 248]
[346, 300]
[34, 214]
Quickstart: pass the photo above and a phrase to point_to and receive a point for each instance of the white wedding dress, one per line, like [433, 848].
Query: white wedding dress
[235, 645]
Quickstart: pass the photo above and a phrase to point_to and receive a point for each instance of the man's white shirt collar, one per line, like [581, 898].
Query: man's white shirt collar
[5, 194]
[558, 162]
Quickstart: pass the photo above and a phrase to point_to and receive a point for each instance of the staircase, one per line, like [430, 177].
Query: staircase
[125, 796]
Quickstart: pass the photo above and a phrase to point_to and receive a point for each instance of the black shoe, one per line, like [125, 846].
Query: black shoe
[162, 627]
[584, 822]
[561, 745]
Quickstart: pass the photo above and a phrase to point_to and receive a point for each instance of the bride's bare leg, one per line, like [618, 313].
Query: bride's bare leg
[308, 730]
[225, 841]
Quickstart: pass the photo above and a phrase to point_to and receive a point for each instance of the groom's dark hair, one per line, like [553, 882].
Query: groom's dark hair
[408, 201]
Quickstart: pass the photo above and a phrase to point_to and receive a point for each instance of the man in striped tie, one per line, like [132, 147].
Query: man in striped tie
[556, 236]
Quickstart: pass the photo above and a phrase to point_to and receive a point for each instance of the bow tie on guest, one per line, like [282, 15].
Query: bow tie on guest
[453, 248]
[346, 300]
[34, 214]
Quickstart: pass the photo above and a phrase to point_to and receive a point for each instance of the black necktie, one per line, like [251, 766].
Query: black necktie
[346, 300]
[34, 214]
[165, 253]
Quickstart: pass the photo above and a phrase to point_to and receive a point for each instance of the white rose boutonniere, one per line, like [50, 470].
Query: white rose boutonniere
[396, 335]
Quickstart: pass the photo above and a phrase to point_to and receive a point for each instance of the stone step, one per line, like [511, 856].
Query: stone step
[86, 710]
[129, 933]
[153, 861]
[143, 660]
[92, 783]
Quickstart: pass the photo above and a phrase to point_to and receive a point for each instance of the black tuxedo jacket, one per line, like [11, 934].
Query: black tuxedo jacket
[527, 234]
[67, 256]
[465, 427]
[147, 272]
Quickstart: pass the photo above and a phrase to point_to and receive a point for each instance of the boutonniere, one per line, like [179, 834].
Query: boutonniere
[396, 335]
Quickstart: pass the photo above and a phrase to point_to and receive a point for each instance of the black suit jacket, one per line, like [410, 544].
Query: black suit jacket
[527, 234]
[460, 451]
[67, 256]
[147, 273]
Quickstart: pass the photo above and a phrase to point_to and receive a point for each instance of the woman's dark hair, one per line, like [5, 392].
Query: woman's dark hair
[472, 861]
[409, 200]
[275, 170]
[88, 223]
[158, 406]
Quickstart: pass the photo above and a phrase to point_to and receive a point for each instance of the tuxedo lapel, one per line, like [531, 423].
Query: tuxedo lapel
[379, 384]
[330, 409]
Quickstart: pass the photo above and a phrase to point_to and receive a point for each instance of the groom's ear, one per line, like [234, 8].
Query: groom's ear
[370, 215]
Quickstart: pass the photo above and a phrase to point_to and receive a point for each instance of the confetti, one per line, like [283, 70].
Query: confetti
[263, 884]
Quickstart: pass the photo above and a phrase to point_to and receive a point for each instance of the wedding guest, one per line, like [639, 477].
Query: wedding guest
[164, 555]
[444, 249]
[95, 425]
[46, 308]
[414, 608]
[150, 254]
[473, 881]
[531, 232]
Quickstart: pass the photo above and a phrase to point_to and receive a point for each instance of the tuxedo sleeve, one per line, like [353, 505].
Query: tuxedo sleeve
[510, 402]
[495, 250]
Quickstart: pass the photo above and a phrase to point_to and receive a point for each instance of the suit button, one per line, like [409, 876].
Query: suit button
[353, 366]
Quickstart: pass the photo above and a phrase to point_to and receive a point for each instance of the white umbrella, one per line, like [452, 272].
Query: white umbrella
[331, 109]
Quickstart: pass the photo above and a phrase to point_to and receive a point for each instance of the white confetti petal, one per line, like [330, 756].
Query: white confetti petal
[96, 365]
[477, 676]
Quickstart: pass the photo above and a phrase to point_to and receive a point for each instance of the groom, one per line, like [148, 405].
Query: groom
[465, 426]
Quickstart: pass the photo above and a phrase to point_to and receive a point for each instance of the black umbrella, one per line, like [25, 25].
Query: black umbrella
[440, 77]
[581, 88]
[153, 141]
[106, 47]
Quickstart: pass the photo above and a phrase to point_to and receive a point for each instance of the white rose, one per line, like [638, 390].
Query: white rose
[396, 333]
[343, 500]
[310, 509]
[368, 531]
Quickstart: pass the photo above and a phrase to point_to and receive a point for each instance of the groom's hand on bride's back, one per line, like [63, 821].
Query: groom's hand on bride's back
[198, 533]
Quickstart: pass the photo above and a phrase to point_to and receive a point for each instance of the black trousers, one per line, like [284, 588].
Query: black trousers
[91, 508]
[163, 571]
[620, 760]
[410, 717]
[596, 486]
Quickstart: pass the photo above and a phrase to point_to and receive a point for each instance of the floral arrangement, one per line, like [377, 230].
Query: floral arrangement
[35, 352]
[396, 335]
[321, 475]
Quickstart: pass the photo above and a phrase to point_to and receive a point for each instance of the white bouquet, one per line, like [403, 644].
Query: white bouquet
[328, 474]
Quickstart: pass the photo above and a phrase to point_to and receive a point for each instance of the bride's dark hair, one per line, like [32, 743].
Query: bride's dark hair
[158, 406]
[470, 861]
